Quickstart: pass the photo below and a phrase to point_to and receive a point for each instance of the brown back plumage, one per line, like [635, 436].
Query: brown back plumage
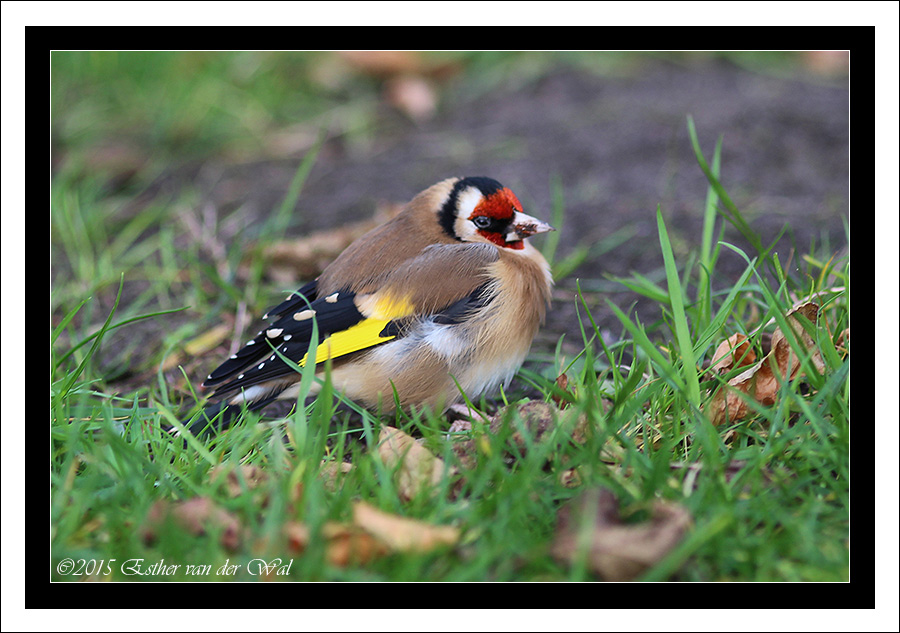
[365, 264]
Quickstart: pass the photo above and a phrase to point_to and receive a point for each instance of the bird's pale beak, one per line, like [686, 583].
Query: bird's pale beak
[525, 226]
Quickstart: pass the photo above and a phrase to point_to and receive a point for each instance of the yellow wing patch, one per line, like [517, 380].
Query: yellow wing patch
[384, 307]
[360, 336]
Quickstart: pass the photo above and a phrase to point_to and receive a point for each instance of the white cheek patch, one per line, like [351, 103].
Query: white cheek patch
[467, 202]
[465, 206]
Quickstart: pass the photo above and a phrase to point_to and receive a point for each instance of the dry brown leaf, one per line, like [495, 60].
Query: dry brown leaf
[615, 550]
[416, 468]
[344, 544]
[562, 381]
[401, 534]
[787, 360]
[733, 352]
[196, 516]
[306, 257]
[762, 380]
[332, 473]
[412, 95]
[372, 534]
[727, 403]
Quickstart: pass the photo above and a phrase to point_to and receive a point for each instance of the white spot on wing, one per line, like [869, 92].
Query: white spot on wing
[273, 332]
[332, 298]
[304, 315]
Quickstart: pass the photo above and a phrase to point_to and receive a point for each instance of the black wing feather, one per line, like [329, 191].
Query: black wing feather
[291, 338]
[256, 348]
[295, 300]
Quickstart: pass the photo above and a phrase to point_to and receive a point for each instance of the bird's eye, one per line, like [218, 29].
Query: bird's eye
[482, 221]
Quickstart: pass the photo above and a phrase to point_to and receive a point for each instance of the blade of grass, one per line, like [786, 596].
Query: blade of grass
[281, 219]
[557, 215]
[682, 330]
[73, 377]
[708, 255]
[643, 286]
[662, 363]
[102, 331]
[731, 212]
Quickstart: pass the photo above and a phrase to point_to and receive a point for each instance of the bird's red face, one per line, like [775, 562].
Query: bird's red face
[493, 217]
[485, 209]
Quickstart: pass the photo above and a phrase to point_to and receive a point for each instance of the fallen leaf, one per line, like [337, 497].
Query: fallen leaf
[562, 381]
[412, 95]
[786, 358]
[344, 544]
[727, 403]
[416, 468]
[401, 534]
[733, 352]
[762, 380]
[331, 472]
[590, 525]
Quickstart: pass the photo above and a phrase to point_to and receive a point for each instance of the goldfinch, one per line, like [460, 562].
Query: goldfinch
[447, 292]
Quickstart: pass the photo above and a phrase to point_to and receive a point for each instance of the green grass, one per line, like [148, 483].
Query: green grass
[769, 495]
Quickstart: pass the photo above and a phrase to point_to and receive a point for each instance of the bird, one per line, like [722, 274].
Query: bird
[442, 300]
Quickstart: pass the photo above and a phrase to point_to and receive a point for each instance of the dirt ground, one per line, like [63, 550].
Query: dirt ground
[619, 146]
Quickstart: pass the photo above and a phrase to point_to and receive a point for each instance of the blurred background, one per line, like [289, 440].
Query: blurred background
[176, 169]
